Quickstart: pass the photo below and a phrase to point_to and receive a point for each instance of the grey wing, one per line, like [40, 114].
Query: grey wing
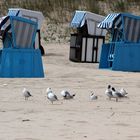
[29, 93]
[110, 93]
[67, 93]
[55, 97]
[119, 94]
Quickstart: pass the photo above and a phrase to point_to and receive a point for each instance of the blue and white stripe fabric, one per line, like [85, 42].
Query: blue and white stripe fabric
[78, 19]
[13, 12]
[90, 20]
[107, 23]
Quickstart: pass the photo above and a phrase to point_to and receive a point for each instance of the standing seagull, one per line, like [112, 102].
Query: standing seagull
[108, 92]
[123, 92]
[51, 96]
[66, 95]
[26, 93]
[93, 96]
[116, 94]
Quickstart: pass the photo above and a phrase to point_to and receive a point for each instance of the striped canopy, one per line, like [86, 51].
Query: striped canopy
[77, 20]
[81, 18]
[127, 26]
[107, 23]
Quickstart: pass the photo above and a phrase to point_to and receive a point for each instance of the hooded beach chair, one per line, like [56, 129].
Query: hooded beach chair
[122, 51]
[19, 57]
[85, 44]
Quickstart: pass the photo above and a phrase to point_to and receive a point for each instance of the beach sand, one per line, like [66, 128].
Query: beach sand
[77, 119]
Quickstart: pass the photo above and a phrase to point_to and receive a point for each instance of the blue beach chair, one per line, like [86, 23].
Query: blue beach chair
[19, 57]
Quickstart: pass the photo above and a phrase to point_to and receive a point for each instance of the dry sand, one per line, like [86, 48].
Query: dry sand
[78, 119]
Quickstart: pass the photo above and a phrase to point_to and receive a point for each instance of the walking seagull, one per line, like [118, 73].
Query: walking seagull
[51, 96]
[108, 92]
[116, 94]
[93, 96]
[66, 95]
[26, 93]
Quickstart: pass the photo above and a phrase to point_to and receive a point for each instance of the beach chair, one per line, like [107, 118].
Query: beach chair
[122, 51]
[86, 42]
[19, 57]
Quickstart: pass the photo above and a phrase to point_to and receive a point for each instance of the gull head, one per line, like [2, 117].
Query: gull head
[48, 90]
[109, 86]
[113, 89]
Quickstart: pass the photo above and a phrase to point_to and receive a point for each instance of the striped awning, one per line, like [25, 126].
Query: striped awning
[107, 23]
[91, 20]
[78, 19]
[4, 23]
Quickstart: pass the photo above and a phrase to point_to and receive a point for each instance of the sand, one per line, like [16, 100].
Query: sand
[77, 119]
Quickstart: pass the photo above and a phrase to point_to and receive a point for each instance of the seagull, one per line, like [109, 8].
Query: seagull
[51, 96]
[123, 92]
[116, 94]
[26, 93]
[93, 96]
[66, 95]
[108, 92]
